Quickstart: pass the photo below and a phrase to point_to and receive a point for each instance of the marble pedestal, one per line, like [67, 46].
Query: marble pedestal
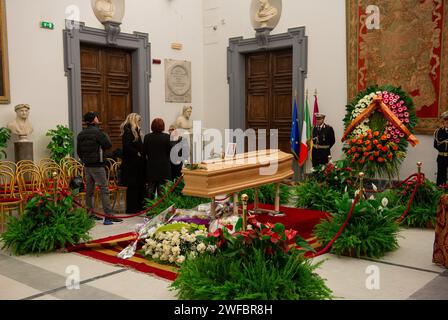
[23, 150]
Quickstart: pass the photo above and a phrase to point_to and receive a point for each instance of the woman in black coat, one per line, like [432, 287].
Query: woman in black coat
[133, 164]
[157, 148]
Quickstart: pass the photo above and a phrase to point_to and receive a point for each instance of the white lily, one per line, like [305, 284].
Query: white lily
[384, 202]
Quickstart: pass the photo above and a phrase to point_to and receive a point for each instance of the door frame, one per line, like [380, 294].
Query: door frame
[76, 33]
[295, 38]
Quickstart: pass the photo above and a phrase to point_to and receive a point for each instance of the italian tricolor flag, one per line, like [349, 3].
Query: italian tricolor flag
[306, 134]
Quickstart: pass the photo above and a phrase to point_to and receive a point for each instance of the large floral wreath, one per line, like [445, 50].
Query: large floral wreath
[376, 142]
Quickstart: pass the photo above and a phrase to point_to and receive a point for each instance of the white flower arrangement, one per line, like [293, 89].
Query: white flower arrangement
[175, 246]
[359, 108]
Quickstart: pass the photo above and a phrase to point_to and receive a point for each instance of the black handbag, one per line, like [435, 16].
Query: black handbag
[77, 183]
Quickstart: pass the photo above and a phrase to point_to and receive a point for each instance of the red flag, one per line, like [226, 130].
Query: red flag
[316, 110]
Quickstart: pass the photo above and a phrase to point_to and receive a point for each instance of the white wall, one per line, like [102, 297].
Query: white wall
[37, 66]
[325, 22]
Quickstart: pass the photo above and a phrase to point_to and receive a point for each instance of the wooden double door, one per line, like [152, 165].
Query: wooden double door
[269, 95]
[106, 82]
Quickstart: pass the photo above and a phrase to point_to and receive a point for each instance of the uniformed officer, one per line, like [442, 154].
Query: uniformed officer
[323, 140]
[441, 144]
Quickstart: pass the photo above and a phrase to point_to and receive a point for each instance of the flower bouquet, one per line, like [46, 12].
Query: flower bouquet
[173, 243]
[378, 145]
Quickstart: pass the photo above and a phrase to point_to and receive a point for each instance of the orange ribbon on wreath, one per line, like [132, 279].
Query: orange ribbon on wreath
[378, 102]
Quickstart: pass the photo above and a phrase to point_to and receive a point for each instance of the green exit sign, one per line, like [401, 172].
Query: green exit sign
[47, 25]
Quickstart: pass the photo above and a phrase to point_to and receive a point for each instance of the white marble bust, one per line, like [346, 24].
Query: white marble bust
[265, 13]
[105, 9]
[21, 126]
[184, 121]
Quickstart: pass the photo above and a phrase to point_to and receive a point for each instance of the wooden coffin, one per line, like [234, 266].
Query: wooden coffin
[244, 171]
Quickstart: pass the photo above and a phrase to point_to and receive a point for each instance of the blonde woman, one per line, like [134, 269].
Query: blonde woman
[133, 165]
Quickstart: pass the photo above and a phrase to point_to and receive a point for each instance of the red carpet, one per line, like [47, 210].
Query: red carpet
[107, 249]
[301, 220]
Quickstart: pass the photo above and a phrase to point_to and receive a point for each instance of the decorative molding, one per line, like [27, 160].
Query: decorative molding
[295, 38]
[238, 47]
[262, 36]
[113, 30]
[76, 33]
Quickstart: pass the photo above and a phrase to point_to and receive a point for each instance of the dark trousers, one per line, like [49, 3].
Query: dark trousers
[154, 186]
[319, 156]
[97, 176]
[442, 166]
[135, 196]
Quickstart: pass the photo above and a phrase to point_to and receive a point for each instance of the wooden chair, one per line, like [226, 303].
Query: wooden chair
[53, 176]
[46, 161]
[9, 201]
[29, 181]
[120, 191]
[8, 168]
[9, 164]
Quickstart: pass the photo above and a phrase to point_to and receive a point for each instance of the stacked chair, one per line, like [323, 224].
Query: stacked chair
[19, 181]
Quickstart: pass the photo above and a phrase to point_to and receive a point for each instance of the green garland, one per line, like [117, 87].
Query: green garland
[389, 151]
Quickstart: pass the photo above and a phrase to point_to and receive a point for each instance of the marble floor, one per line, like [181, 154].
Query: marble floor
[407, 273]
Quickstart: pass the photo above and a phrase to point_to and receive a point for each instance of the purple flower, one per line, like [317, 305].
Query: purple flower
[406, 114]
[405, 108]
[406, 120]
[401, 135]
[400, 110]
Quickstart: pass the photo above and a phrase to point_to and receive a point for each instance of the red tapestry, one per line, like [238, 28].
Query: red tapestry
[409, 49]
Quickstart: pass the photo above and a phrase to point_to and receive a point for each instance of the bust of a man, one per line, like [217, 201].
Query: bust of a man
[265, 13]
[105, 9]
[21, 126]
[183, 121]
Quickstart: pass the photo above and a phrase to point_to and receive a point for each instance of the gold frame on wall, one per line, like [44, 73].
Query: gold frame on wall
[425, 125]
[5, 97]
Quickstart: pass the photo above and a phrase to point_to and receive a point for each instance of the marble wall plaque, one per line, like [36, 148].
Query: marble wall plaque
[177, 81]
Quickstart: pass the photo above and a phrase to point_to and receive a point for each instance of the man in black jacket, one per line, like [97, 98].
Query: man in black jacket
[441, 144]
[90, 148]
[323, 140]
